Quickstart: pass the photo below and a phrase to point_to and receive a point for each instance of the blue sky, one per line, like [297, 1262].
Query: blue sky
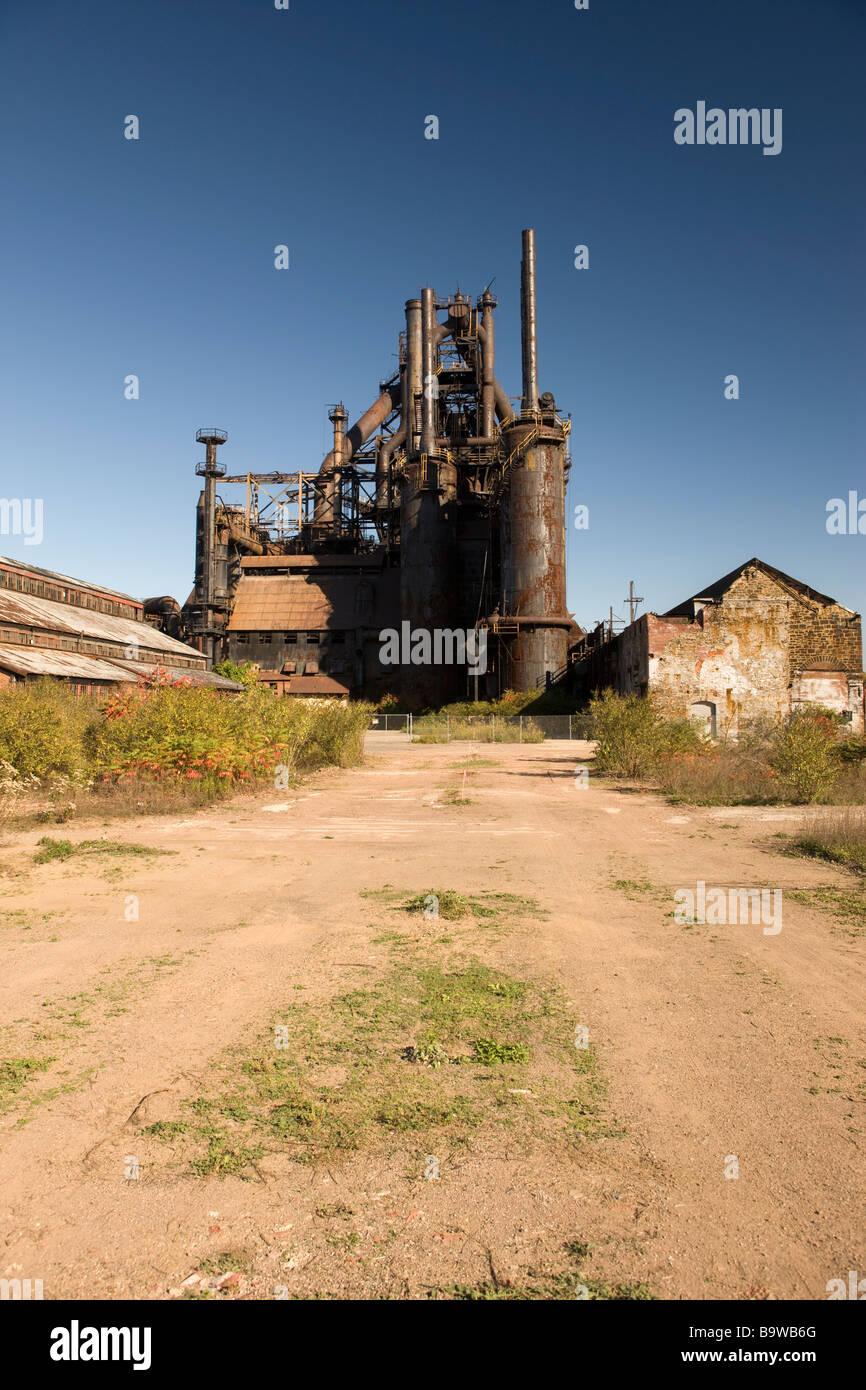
[306, 127]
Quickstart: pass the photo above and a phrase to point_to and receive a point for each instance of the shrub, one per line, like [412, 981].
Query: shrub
[632, 737]
[162, 732]
[42, 727]
[804, 755]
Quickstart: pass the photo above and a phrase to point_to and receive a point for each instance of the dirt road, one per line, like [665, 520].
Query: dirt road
[728, 1157]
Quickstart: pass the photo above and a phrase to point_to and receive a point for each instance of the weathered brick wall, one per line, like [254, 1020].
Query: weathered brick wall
[825, 636]
[734, 656]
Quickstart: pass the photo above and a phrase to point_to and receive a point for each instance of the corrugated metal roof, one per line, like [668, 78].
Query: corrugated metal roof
[177, 673]
[292, 603]
[45, 661]
[23, 566]
[27, 611]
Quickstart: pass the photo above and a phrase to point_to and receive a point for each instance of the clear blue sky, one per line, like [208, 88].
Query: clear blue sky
[306, 127]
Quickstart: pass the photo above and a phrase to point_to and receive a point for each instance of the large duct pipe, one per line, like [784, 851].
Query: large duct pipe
[429, 327]
[529, 322]
[324, 511]
[488, 351]
[362, 429]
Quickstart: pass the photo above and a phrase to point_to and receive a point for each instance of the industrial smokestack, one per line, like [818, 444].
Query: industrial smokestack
[339, 417]
[529, 322]
[429, 325]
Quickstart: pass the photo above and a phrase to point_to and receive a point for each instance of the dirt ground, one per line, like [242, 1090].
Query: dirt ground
[722, 1048]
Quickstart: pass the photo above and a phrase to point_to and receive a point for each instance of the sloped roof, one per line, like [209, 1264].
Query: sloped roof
[26, 611]
[48, 661]
[315, 685]
[721, 586]
[271, 602]
[26, 567]
[45, 661]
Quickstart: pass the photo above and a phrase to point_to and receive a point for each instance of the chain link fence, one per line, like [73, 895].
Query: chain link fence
[499, 728]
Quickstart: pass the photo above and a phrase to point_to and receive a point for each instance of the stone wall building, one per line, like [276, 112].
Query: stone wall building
[757, 642]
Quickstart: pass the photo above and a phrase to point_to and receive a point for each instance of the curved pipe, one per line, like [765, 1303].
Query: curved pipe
[504, 408]
[364, 427]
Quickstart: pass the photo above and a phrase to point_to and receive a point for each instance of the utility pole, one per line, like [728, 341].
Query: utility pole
[633, 600]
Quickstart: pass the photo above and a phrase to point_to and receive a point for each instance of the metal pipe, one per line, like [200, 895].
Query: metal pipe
[429, 413]
[414, 376]
[338, 416]
[383, 464]
[488, 352]
[504, 408]
[529, 322]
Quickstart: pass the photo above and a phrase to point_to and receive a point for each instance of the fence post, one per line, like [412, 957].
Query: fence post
[447, 727]
[493, 728]
[569, 726]
[521, 728]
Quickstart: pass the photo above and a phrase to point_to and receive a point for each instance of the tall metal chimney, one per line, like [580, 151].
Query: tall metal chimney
[429, 324]
[339, 417]
[529, 322]
[210, 470]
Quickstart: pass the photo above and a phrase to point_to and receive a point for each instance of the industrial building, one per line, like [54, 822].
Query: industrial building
[755, 643]
[90, 637]
[443, 506]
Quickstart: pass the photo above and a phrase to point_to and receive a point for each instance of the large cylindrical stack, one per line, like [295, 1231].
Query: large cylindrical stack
[532, 532]
[533, 555]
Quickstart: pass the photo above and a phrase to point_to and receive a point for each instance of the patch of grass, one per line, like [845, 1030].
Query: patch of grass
[492, 1054]
[64, 849]
[637, 888]
[848, 905]
[556, 1285]
[437, 1015]
[16, 1072]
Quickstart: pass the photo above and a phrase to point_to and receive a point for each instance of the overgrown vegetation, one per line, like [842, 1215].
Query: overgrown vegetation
[839, 838]
[150, 741]
[803, 759]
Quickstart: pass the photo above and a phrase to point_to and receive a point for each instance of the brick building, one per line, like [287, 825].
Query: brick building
[757, 642]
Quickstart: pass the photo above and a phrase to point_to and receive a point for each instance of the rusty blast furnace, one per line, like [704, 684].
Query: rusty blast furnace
[441, 507]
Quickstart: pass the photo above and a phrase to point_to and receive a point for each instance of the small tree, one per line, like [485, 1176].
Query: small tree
[804, 755]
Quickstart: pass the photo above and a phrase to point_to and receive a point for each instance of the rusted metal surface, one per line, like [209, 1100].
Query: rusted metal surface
[533, 556]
